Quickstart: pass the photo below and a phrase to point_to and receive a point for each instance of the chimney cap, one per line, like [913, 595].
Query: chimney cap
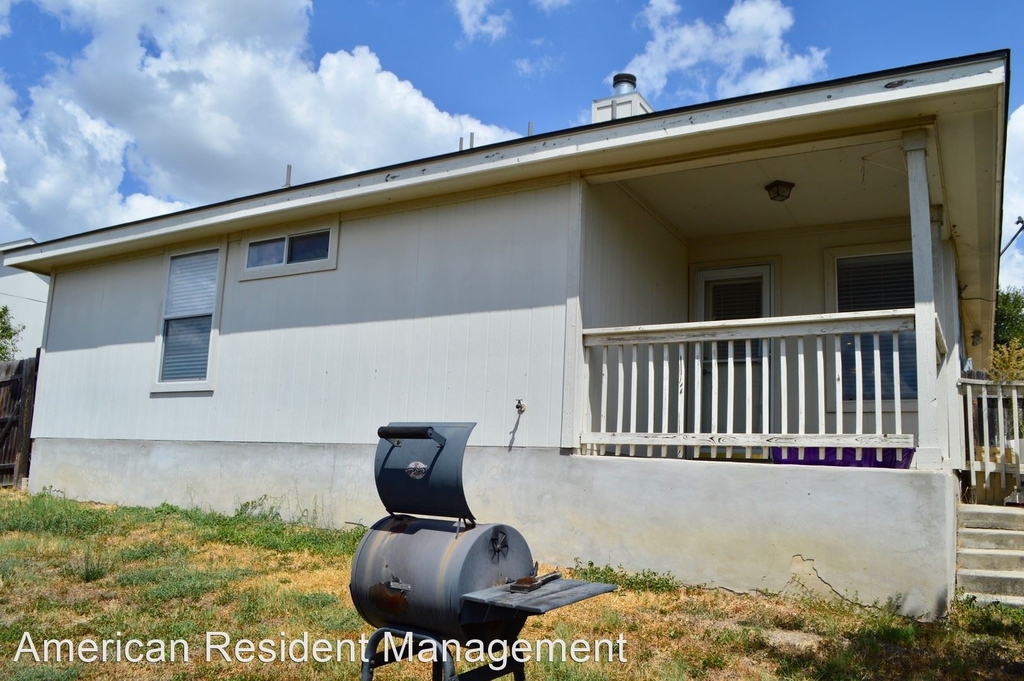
[624, 83]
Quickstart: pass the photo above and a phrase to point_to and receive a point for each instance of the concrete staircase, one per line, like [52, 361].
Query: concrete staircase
[990, 553]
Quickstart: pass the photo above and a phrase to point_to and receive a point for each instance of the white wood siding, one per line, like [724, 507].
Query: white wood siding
[443, 313]
[634, 268]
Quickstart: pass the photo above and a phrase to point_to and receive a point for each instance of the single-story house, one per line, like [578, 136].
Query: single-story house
[658, 321]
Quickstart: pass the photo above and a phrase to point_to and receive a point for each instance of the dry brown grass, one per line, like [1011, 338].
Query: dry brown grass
[162, 574]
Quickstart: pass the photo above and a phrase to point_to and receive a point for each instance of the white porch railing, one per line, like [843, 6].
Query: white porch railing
[738, 389]
[994, 414]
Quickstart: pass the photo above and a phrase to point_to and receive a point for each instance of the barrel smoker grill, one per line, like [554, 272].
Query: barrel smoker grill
[451, 579]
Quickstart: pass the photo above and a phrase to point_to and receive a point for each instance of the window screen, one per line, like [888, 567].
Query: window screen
[188, 316]
[877, 282]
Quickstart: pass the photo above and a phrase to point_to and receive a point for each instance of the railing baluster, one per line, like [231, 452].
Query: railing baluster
[664, 396]
[897, 400]
[698, 389]
[1016, 432]
[588, 417]
[622, 397]
[681, 405]
[748, 415]
[1002, 435]
[730, 416]
[984, 431]
[970, 434]
[765, 390]
[604, 391]
[714, 393]
[819, 342]
[632, 401]
[650, 394]
[858, 378]
[801, 405]
[878, 391]
[839, 383]
[784, 391]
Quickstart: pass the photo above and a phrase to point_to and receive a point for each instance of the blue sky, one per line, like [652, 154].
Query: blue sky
[116, 110]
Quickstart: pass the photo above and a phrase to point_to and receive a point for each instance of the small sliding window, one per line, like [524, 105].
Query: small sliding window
[290, 249]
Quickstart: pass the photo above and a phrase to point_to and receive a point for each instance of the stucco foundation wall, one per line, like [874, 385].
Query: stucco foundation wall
[868, 535]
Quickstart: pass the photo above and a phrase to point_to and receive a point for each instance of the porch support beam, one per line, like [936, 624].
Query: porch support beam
[925, 244]
[572, 380]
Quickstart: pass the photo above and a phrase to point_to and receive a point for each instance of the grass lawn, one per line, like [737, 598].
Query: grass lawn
[76, 571]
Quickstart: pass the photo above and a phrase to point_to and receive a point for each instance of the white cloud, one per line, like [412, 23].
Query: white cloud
[1011, 266]
[201, 104]
[476, 19]
[745, 53]
[535, 68]
[551, 5]
[5, 12]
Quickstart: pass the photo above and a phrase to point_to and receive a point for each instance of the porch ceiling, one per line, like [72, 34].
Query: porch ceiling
[853, 183]
[844, 181]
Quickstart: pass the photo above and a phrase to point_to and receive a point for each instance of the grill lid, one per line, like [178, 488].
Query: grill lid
[418, 468]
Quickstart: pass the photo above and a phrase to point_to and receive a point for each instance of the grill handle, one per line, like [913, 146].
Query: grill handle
[395, 434]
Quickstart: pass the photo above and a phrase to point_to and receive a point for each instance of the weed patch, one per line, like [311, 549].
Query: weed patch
[645, 580]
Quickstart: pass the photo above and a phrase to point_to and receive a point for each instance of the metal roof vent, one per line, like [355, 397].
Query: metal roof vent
[624, 84]
[624, 102]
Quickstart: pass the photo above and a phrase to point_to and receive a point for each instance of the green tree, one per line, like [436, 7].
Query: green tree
[1009, 315]
[9, 334]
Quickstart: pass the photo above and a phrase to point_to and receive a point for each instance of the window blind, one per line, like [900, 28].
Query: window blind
[877, 282]
[188, 316]
[192, 284]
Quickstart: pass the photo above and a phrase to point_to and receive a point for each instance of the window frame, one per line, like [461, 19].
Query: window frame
[908, 405]
[329, 224]
[160, 386]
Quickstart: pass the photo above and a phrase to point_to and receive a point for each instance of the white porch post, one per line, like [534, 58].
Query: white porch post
[931, 429]
[573, 408]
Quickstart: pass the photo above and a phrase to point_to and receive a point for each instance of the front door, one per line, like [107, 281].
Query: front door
[734, 293]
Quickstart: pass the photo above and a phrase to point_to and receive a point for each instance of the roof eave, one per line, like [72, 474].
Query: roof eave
[572, 150]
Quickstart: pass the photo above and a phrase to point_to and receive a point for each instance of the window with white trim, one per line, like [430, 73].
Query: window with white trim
[290, 249]
[188, 316]
[877, 282]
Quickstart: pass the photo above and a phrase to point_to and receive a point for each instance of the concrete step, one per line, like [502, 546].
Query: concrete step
[994, 582]
[991, 517]
[1009, 601]
[989, 559]
[1008, 540]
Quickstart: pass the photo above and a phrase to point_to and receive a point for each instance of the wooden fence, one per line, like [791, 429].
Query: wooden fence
[17, 393]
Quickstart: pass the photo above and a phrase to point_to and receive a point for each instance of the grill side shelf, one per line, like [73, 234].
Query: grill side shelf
[552, 595]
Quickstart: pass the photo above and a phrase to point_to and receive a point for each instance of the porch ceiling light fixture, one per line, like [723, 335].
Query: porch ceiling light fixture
[779, 190]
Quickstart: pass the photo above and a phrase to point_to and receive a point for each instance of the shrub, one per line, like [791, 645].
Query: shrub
[1008, 362]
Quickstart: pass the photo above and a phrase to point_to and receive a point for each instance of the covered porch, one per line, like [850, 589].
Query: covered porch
[831, 328]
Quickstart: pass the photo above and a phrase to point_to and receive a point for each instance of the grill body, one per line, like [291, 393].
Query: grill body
[413, 572]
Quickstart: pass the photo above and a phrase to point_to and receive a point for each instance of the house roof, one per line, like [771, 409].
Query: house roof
[962, 102]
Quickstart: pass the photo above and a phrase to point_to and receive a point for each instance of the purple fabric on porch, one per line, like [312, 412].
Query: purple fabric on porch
[869, 457]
